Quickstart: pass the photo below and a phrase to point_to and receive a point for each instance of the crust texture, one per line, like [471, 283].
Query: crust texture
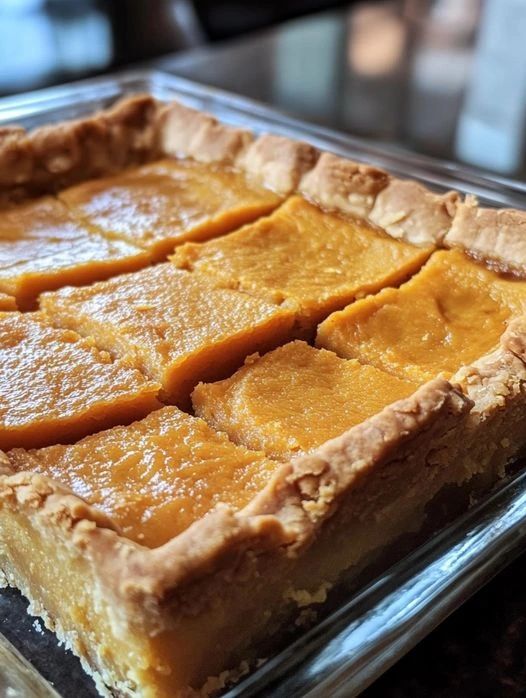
[307, 491]
[139, 129]
[187, 132]
[498, 235]
[53, 157]
[407, 210]
[343, 185]
[277, 162]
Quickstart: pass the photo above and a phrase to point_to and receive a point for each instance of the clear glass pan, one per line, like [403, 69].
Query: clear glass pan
[350, 648]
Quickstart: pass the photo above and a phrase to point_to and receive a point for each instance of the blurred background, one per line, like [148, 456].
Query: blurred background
[445, 78]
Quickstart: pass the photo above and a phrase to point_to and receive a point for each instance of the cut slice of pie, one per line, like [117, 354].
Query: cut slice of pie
[295, 398]
[176, 327]
[155, 477]
[43, 247]
[319, 260]
[160, 205]
[56, 387]
[451, 313]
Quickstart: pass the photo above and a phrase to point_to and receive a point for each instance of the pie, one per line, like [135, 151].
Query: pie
[295, 398]
[186, 471]
[159, 206]
[154, 478]
[57, 386]
[426, 326]
[175, 327]
[302, 254]
[43, 247]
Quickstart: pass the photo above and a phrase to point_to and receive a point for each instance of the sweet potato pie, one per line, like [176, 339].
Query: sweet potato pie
[233, 371]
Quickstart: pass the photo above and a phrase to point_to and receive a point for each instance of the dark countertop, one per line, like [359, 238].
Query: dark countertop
[478, 651]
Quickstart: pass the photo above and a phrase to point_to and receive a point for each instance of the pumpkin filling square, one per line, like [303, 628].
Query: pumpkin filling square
[156, 476]
[300, 253]
[295, 398]
[43, 247]
[450, 314]
[176, 327]
[160, 205]
[57, 387]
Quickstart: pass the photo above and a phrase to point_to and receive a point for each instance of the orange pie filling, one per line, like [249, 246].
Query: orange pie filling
[451, 313]
[156, 476]
[56, 387]
[7, 302]
[319, 260]
[160, 205]
[43, 247]
[177, 327]
[295, 398]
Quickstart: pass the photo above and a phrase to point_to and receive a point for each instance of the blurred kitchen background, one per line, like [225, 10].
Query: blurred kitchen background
[441, 77]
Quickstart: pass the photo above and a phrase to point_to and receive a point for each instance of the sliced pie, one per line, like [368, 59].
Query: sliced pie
[176, 327]
[295, 398]
[319, 260]
[43, 247]
[56, 387]
[451, 313]
[160, 205]
[155, 477]
[193, 614]
[166, 556]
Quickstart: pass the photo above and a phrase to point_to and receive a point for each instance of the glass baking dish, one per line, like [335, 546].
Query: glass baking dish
[365, 631]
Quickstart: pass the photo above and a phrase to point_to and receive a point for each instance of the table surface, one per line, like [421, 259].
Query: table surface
[449, 82]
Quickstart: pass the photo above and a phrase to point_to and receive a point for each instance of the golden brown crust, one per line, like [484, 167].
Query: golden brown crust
[494, 433]
[343, 185]
[492, 380]
[514, 338]
[55, 502]
[498, 235]
[52, 157]
[187, 132]
[278, 163]
[408, 211]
